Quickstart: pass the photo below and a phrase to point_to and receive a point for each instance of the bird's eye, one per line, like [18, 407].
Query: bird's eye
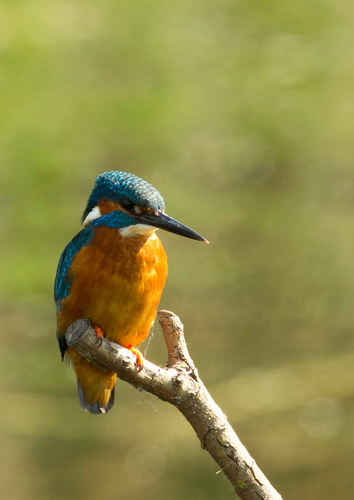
[127, 205]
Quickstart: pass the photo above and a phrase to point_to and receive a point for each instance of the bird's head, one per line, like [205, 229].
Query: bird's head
[125, 201]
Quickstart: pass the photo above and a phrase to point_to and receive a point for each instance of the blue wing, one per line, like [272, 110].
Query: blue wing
[63, 280]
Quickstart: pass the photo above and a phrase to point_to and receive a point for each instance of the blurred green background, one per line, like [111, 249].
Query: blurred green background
[241, 115]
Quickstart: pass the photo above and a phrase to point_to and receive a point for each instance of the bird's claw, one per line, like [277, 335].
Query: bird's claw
[99, 335]
[139, 358]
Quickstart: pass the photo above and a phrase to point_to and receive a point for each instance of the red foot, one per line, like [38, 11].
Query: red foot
[99, 333]
[139, 357]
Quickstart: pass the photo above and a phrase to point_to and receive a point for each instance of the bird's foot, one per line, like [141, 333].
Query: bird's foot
[99, 334]
[139, 357]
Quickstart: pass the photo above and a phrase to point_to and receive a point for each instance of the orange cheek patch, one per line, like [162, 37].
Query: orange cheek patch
[106, 207]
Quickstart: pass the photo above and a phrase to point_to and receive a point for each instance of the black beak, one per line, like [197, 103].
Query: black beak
[164, 221]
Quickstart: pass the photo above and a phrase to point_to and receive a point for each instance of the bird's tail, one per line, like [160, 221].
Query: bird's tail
[95, 386]
[97, 407]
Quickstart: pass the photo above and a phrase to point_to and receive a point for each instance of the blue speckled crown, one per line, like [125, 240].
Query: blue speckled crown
[115, 186]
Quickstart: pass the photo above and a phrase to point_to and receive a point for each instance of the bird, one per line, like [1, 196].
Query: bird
[112, 273]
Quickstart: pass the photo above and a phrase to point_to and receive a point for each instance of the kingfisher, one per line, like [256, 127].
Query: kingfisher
[113, 273]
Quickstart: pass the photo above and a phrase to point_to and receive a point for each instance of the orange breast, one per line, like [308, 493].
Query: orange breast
[117, 285]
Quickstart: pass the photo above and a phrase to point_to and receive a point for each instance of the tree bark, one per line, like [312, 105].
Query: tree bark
[178, 383]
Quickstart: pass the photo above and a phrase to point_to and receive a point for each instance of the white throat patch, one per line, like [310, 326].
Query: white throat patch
[94, 214]
[137, 230]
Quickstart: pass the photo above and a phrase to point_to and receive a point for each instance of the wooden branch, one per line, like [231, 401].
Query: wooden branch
[179, 384]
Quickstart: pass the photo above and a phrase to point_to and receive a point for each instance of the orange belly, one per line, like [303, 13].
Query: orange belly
[116, 284]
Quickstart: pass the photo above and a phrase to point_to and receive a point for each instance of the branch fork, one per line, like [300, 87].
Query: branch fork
[178, 383]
